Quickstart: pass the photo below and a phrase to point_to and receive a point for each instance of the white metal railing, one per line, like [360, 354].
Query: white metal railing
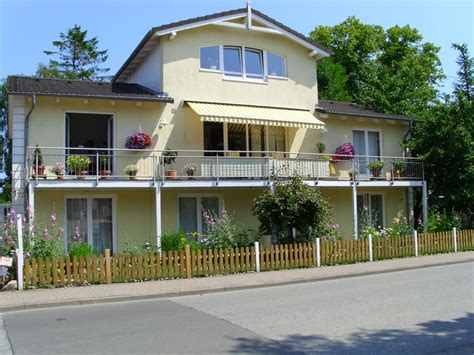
[104, 163]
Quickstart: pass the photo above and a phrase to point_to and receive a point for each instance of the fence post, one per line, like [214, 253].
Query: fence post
[371, 253]
[188, 261]
[455, 239]
[108, 275]
[415, 238]
[19, 251]
[318, 252]
[257, 256]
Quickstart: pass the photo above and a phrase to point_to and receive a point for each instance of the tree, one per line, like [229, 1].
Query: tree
[445, 140]
[392, 71]
[77, 57]
[5, 144]
[293, 204]
[332, 81]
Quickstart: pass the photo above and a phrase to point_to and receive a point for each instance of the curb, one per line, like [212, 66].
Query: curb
[125, 298]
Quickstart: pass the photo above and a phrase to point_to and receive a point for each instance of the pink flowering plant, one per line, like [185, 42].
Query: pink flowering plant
[58, 168]
[332, 232]
[222, 231]
[345, 151]
[189, 168]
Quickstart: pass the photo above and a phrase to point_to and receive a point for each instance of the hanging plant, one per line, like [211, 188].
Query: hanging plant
[138, 140]
[345, 151]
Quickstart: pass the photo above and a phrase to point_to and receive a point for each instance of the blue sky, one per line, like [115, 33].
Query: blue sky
[27, 27]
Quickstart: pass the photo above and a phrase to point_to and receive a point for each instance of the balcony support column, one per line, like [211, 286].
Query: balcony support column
[354, 209]
[158, 215]
[30, 208]
[411, 210]
[424, 193]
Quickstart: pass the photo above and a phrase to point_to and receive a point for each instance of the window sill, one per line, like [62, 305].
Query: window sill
[277, 77]
[211, 71]
[243, 80]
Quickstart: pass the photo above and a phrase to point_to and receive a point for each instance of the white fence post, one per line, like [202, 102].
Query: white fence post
[415, 238]
[371, 253]
[318, 252]
[257, 256]
[19, 251]
[455, 239]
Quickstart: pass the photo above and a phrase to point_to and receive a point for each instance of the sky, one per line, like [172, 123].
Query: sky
[27, 27]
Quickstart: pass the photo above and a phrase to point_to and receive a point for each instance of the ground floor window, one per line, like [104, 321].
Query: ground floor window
[90, 219]
[190, 212]
[370, 210]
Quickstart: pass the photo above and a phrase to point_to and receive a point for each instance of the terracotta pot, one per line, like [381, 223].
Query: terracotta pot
[171, 174]
[60, 176]
[375, 173]
[81, 175]
[104, 174]
[40, 170]
[190, 174]
[397, 174]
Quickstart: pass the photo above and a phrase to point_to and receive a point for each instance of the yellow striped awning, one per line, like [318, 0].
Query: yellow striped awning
[258, 115]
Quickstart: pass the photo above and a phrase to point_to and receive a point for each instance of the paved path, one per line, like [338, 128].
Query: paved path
[10, 301]
[422, 311]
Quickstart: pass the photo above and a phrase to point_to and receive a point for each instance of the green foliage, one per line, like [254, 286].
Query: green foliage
[77, 163]
[177, 240]
[293, 204]
[390, 70]
[131, 169]
[77, 57]
[464, 85]
[223, 232]
[37, 156]
[83, 249]
[445, 140]
[375, 165]
[169, 156]
[399, 166]
[443, 221]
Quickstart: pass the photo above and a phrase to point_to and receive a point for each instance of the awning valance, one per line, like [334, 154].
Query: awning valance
[259, 115]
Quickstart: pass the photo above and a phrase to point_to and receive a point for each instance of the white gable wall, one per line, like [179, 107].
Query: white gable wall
[148, 73]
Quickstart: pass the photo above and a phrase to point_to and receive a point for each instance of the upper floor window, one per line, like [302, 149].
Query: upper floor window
[242, 62]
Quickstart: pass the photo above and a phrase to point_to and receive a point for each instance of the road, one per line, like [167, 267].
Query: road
[424, 311]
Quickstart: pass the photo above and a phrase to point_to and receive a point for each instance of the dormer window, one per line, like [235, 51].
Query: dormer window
[240, 62]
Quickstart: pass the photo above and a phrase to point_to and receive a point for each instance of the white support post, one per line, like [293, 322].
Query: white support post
[158, 215]
[318, 252]
[19, 251]
[415, 239]
[411, 210]
[425, 206]
[455, 239]
[371, 252]
[354, 210]
[31, 204]
[257, 256]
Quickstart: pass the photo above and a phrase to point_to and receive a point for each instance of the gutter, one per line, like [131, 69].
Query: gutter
[27, 120]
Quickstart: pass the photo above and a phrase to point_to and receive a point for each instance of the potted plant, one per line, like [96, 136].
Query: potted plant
[189, 169]
[169, 157]
[59, 169]
[78, 165]
[345, 151]
[375, 167]
[104, 167]
[38, 166]
[138, 140]
[399, 166]
[353, 173]
[131, 170]
[321, 147]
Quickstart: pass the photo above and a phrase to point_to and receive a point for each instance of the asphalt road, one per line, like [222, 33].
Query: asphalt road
[424, 311]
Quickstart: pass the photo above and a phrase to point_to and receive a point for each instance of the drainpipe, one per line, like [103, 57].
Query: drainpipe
[27, 119]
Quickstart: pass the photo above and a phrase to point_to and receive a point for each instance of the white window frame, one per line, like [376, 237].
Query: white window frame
[369, 202]
[198, 196]
[90, 229]
[243, 77]
[366, 143]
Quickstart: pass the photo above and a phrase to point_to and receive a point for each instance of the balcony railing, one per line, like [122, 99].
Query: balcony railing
[111, 164]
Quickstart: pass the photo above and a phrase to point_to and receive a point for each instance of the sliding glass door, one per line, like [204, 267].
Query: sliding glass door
[367, 145]
[90, 220]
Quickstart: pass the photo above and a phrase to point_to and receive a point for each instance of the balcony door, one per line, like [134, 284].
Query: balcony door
[90, 220]
[89, 131]
[367, 145]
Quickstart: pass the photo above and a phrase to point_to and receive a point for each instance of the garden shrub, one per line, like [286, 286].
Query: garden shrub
[177, 240]
[83, 249]
[442, 221]
[223, 232]
[292, 204]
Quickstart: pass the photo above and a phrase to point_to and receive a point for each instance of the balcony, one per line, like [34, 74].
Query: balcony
[107, 165]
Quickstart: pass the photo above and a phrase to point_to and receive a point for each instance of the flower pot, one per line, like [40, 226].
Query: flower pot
[104, 174]
[132, 176]
[39, 169]
[190, 174]
[397, 174]
[81, 175]
[375, 173]
[171, 174]
[60, 176]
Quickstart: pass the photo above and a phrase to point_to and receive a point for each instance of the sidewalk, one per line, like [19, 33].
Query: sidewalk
[40, 298]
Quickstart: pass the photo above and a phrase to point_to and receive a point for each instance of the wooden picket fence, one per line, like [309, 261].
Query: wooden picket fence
[64, 271]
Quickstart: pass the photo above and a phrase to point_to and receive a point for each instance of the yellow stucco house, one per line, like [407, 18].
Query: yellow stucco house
[235, 95]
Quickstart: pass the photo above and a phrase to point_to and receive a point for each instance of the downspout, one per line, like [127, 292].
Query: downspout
[27, 120]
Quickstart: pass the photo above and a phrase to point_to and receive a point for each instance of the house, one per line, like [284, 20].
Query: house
[233, 93]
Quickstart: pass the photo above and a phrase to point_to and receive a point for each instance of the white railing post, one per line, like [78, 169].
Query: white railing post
[415, 239]
[455, 239]
[19, 251]
[257, 256]
[371, 252]
[97, 167]
[318, 252]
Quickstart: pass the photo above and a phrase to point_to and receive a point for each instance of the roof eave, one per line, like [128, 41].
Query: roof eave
[99, 97]
[324, 111]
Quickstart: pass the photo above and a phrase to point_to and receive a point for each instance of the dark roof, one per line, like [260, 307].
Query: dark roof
[352, 109]
[27, 85]
[210, 17]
